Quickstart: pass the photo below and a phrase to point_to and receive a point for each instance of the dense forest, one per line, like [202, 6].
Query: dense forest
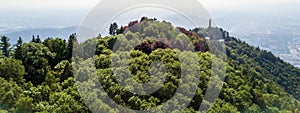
[42, 75]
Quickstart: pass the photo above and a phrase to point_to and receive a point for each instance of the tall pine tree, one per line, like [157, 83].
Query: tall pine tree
[5, 46]
[71, 41]
[33, 38]
[38, 40]
[18, 50]
[113, 29]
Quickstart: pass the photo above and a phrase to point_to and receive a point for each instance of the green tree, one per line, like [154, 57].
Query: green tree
[9, 94]
[35, 57]
[19, 42]
[113, 29]
[38, 40]
[71, 44]
[24, 104]
[11, 68]
[5, 46]
[33, 39]
[18, 49]
[64, 69]
[57, 46]
[121, 30]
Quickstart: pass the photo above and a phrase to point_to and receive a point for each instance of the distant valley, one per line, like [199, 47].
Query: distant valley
[277, 33]
[43, 33]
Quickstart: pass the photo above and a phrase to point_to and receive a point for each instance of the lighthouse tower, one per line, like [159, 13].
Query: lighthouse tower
[209, 26]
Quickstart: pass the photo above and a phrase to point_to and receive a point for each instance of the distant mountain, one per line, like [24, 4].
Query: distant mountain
[43, 33]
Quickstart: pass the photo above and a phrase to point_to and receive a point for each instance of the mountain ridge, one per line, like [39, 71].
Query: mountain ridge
[46, 76]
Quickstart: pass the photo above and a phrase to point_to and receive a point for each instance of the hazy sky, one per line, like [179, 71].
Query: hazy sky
[225, 4]
[20, 4]
[86, 4]
[72, 12]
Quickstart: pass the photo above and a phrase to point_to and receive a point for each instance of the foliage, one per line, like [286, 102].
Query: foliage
[113, 29]
[11, 68]
[39, 76]
[5, 46]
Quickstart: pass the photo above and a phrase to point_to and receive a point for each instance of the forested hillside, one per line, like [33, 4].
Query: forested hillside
[41, 76]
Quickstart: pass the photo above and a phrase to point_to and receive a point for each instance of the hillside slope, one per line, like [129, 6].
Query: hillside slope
[43, 77]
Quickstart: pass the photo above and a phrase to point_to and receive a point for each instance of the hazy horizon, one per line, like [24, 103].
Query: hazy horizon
[253, 21]
[88, 4]
[64, 13]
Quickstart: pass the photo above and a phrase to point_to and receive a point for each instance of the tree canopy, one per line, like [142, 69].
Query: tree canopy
[41, 75]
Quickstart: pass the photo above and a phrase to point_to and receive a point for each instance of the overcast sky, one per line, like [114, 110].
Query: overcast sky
[72, 12]
[21, 4]
[87, 4]
[234, 4]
